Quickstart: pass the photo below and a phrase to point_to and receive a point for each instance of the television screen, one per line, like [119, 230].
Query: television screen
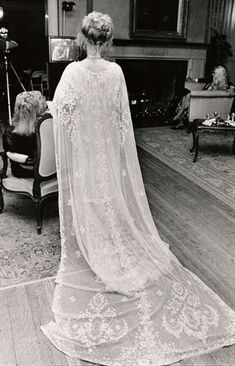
[63, 49]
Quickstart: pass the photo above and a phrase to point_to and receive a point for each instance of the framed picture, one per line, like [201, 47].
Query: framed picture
[159, 19]
[63, 49]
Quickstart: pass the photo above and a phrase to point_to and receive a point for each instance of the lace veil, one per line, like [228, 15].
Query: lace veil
[122, 298]
[105, 217]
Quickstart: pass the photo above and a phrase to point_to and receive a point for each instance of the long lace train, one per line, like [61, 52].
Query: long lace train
[121, 298]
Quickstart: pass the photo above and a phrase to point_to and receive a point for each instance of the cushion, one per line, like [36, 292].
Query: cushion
[23, 185]
[18, 184]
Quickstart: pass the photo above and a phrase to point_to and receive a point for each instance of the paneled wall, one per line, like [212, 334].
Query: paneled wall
[193, 50]
[220, 16]
[231, 60]
[119, 10]
[65, 23]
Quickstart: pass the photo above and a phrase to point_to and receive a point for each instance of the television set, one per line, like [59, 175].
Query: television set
[63, 49]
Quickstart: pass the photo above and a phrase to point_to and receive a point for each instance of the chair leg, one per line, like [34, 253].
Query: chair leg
[234, 145]
[38, 216]
[196, 148]
[194, 141]
[1, 200]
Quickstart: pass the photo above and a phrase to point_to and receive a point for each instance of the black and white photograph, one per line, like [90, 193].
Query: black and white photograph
[117, 183]
[63, 49]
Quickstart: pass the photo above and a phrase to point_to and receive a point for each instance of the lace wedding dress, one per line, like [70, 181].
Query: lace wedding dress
[121, 298]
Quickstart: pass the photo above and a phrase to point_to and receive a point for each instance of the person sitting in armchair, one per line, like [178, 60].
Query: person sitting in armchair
[19, 140]
[219, 82]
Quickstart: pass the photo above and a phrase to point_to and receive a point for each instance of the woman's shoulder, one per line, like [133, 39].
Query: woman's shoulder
[117, 68]
[69, 70]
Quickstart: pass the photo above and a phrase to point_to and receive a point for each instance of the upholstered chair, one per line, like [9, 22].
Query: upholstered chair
[44, 184]
[203, 102]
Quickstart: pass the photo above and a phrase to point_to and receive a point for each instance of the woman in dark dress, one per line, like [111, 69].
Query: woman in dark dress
[20, 137]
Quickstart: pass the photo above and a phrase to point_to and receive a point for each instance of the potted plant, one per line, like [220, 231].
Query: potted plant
[218, 52]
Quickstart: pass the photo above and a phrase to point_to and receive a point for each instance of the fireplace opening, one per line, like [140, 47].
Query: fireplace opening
[154, 88]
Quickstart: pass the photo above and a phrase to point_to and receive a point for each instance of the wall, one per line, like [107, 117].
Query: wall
[73, 19]
[119, 10]
[192, 50]
[65, 23]
[197, 20]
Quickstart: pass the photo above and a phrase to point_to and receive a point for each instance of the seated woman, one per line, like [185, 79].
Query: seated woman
[219, 82]
[20, 137]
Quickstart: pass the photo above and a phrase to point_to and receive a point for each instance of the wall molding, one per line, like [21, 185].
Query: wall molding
[53, 24]
[196, 57]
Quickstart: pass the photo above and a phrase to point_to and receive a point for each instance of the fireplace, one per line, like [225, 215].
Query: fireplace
[154, 87]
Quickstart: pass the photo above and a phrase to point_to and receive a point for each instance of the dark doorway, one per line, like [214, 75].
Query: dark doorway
[25, 21]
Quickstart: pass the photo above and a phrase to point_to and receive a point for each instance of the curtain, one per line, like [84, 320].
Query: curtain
[220, 17]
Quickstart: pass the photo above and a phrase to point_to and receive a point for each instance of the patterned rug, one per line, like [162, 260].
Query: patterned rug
[24, 255]
[215, 169]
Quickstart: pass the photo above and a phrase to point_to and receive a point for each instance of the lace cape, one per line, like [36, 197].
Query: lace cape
[122, 298]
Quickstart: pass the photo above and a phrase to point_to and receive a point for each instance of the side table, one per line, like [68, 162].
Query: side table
[197, 128]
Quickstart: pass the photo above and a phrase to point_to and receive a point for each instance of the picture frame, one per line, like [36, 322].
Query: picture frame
[63, 49]
[159, 19]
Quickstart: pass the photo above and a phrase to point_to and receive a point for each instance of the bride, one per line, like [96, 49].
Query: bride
[121, 297]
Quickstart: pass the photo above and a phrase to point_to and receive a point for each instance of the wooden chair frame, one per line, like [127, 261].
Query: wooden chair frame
[36, 196]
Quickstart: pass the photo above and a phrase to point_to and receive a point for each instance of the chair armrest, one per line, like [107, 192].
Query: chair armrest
[3, 171]
[18, 158]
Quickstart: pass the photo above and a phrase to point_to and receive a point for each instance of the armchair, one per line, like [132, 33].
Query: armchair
[210, 101]
[193, 86]
[44, 184]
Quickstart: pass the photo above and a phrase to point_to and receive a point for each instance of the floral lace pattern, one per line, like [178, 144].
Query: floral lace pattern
[185, 314]
[122, 298]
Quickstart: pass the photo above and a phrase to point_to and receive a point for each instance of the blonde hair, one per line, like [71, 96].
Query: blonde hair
[28, 106]
[221, 82]
[96, 29]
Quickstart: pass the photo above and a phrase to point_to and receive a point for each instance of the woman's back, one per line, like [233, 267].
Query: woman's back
[21, 144]
[93, 90]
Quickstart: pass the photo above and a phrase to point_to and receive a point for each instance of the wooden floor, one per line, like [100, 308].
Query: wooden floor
[201, 232]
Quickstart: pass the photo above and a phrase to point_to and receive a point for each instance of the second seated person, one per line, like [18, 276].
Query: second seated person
[219, 82]
[20, 137]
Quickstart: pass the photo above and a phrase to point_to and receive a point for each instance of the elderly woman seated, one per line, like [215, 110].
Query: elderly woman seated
[20, 138]
[219, 82]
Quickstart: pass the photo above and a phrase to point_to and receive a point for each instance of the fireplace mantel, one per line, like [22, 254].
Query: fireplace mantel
[194, 55]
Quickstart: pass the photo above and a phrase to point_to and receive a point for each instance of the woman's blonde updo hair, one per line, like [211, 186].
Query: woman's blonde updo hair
[97, 30]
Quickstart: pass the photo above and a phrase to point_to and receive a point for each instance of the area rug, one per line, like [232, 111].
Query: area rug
[26, 256]
[215, 169]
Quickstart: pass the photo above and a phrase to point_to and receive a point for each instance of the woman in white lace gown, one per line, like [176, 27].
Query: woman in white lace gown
[121, 298]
